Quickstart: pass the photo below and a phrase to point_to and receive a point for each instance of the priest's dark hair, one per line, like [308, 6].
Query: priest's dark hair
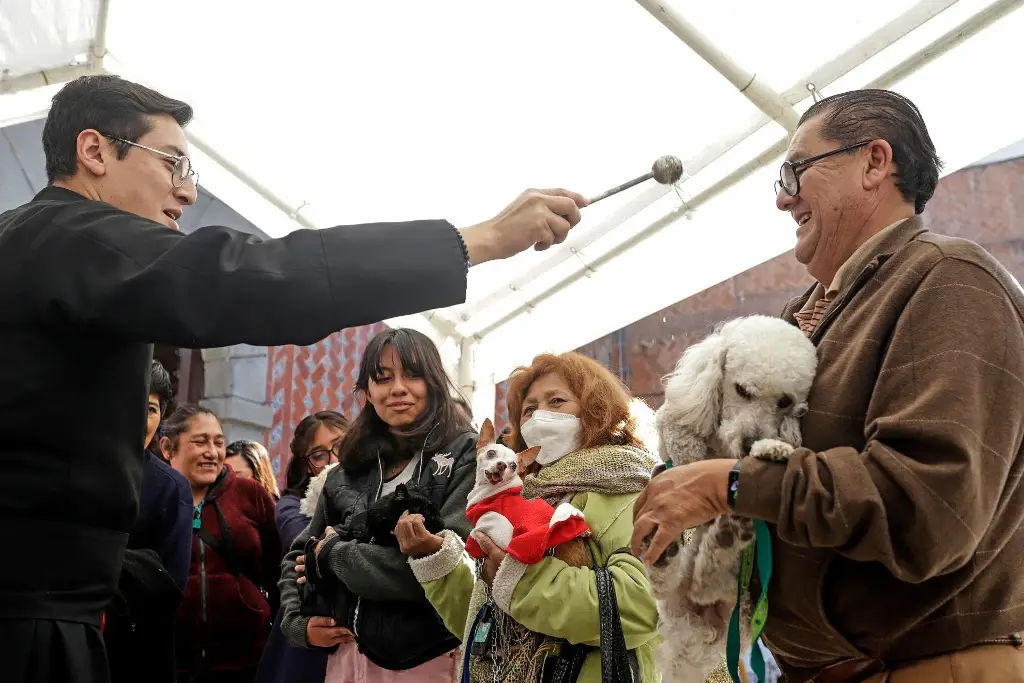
[108, 104]
[437, 426]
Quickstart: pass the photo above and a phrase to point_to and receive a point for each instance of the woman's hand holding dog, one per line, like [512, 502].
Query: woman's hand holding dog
[679, 498]
[300, 561]
[413, 538]
[323, 632]
[328, 532]
[494, 557]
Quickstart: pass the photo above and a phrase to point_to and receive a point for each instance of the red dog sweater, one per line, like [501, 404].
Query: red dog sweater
[536, 526]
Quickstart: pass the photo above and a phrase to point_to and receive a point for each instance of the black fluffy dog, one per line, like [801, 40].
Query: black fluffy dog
[383, 515]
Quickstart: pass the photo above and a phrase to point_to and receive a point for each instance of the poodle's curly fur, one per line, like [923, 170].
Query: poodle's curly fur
[740, 392]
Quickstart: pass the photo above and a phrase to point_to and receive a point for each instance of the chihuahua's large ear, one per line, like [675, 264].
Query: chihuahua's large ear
[486, 434]
[526, 458]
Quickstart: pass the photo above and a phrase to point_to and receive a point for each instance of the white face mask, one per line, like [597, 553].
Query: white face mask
[557, 434]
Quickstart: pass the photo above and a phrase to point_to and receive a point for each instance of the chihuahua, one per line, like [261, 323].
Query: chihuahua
[525, 529]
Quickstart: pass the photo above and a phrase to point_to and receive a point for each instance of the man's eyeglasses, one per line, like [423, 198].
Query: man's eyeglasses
[321, 457]
[180, 172]
[789, 174]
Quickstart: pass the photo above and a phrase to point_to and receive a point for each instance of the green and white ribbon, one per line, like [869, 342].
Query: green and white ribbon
[761, 548]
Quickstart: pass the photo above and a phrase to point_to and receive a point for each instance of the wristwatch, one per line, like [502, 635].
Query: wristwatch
[734, 484]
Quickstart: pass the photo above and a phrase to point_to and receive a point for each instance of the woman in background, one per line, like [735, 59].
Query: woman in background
[314, 447]
[231, 594]
[250, 460]
[409, 432]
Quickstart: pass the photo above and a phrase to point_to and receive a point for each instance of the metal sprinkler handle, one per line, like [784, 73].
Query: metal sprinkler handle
[667, 170]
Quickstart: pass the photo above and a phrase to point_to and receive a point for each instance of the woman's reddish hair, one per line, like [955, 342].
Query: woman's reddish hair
[605, 417]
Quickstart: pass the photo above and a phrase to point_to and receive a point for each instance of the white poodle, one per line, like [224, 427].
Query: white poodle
[739, 392]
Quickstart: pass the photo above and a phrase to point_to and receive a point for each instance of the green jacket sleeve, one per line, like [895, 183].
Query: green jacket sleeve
[448, 577]
[558, 600]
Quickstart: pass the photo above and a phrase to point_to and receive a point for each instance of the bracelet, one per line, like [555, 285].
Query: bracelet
[465, 249]
[734, 484]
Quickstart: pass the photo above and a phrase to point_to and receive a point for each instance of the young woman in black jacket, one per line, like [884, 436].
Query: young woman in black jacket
[409, 432]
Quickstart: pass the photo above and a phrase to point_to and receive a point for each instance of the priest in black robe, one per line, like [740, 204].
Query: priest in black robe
[93, 271]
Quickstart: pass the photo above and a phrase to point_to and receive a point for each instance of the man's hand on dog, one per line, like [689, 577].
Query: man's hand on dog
[413, 538]
[679, 498]
[323, 632]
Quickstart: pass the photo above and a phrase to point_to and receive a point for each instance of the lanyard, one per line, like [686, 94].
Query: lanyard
[762, 549]
[197, 515]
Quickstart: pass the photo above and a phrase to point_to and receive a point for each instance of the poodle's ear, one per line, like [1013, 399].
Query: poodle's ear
[486, 434]
[789, 431]
[527, 457]
[693, 393]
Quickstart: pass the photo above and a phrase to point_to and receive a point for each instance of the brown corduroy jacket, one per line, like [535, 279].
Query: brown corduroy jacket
[899, 527]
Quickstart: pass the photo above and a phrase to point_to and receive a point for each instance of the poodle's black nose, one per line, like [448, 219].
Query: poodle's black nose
[748, 443]
[501, 466]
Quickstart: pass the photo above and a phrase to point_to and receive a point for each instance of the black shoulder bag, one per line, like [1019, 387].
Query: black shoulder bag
[618, 665]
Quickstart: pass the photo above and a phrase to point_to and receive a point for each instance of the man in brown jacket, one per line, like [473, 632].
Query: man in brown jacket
[897, 528]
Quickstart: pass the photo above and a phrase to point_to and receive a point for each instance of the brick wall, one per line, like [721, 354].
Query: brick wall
[305, 379]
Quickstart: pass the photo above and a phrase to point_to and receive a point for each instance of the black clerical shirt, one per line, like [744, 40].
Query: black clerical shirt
[85, 290]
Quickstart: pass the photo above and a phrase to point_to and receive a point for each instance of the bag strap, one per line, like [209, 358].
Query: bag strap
[223, 546]
[616, 666]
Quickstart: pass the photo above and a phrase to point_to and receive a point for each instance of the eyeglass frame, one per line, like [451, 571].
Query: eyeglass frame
[803, 164]
[329, 452]
[192, 173]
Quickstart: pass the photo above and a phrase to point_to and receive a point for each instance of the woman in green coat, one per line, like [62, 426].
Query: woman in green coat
[592, 456]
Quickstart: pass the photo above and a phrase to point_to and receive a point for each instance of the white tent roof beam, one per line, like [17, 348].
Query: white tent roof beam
[958, 34]
[99, 44]
[947, 41]
[912, 19]
[45, 77]
[839, 66]
[759, 93]
[63, 74]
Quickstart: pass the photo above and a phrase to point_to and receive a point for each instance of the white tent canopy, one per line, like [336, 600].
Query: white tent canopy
[322, 113]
